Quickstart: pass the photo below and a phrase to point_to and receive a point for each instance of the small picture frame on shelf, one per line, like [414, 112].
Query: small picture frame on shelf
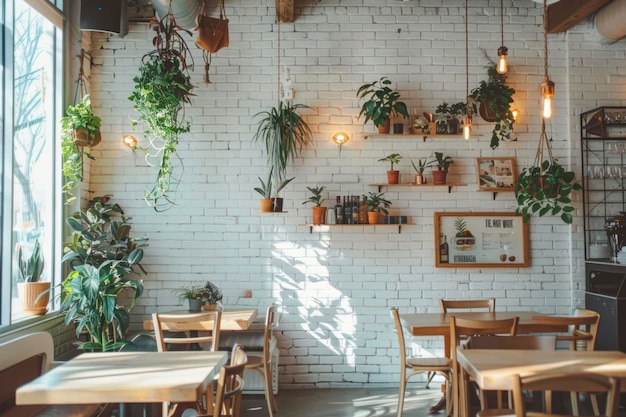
[496, 174]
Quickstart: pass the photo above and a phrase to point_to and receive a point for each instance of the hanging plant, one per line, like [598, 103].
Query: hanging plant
[495, 99]
[545, 187]
[80, 127]
[162, 89]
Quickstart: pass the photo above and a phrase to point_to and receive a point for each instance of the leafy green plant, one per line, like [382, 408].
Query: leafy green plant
[284, 134]
[447, 111]
[161, 91]
[79, 120]
[316, 197]
[422, 165]
[442, 163]
[545, 187]
[496, 99]
[208, 294]
[377, 202]
[393, 158]
[381, 102]
[101, 254]
[266, 187]
[31, 268]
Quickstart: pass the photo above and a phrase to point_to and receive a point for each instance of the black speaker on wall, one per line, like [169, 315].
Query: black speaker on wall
[104, 16]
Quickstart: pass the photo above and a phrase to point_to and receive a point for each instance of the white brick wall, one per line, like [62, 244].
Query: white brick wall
[337, 286]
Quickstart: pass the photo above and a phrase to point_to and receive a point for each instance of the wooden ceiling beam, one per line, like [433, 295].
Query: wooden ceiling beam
[284, 11]
[566, 14]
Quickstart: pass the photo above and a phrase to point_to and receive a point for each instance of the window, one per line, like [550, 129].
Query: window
[31, 93]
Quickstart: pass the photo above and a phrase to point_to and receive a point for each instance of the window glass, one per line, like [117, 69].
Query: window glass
[33, 138]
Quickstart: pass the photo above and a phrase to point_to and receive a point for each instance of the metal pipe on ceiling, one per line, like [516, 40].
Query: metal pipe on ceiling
[184, 11]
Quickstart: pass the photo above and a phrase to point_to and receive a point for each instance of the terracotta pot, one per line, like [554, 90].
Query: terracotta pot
[32, 304]
[393, 177]
[439, 177]
[372, 217]
[209, 307]
[386, 127]
[319, 214]
[267, 204]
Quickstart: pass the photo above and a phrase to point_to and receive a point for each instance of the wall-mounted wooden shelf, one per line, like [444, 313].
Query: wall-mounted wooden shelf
[412, 185]
[495, 193]
[399, 226]
[410, 135]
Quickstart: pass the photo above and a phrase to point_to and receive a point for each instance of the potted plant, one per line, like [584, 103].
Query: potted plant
[199, 297]
[495, 99]
[33, 293]
[448, 120]
[376, 204]
[161, 91]
[442, 164]
[211, 297]
[284, 133]
[81, 123]
[80, 127]
[270, 202]
[317, 200]
[381, 102]
[393, 176]
[545, 187]
[422, 164]
[102, 255]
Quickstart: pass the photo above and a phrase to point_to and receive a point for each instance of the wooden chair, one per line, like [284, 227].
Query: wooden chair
[196, 328]
[468, 305]
[464, 328]
[507, 342]
[230, 385]
[263, 364]
[574, 383]
[186, 328]
[410, 366]
[581, 335]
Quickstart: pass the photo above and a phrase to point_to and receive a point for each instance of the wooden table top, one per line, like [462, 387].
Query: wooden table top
[231, 320]
[438, 324]
[492, 369]
[125, 377]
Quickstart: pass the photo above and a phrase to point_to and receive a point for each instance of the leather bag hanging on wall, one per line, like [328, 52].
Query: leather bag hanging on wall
[212, 31]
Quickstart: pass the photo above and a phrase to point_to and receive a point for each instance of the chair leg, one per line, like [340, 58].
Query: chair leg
[269, 391]
[401, 392]
[594, 404]
[429, 378]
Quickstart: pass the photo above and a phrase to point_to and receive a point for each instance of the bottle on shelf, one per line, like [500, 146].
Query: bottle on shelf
[338, 211]
[355, 209]
[444, 251]
[363, 211]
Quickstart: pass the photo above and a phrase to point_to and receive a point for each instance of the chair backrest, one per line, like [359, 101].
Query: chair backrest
[476, 304]
[400, 331]
[460, 328]
[565, 382]
[201, 327]
[230, 385]
[582, 325]
[512, 342]
[272, 320]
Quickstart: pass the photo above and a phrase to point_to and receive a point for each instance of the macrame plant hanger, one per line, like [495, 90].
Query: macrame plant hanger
[81, 85]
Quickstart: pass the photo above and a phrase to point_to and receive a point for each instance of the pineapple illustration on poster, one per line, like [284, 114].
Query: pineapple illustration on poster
[480, 239]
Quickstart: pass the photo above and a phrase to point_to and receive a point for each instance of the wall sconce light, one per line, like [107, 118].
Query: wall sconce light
[340, 138]
[503, 51]
[130, 141]
[515, 113]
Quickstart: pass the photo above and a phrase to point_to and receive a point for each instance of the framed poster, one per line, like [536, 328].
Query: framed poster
[496, 174]
[481, 239]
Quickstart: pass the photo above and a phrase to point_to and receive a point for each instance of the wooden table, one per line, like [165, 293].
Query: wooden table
[492, 369]
[231, 320]
[126, 377]
[438, 324]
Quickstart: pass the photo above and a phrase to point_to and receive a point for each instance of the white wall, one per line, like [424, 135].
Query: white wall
[337, 286]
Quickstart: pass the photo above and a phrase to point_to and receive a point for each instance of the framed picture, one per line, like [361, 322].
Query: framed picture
[496, 174]
[467, 239]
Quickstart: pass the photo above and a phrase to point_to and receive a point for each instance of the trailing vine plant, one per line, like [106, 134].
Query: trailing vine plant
[162, 89]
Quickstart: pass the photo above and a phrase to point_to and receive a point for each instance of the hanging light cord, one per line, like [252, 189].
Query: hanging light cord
[543, 137]
[467, 111]
[501, 22]
[545, 38]
[278, 71]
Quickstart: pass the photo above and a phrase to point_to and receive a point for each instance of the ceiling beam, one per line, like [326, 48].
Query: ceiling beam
[284, 11]
[564, 15]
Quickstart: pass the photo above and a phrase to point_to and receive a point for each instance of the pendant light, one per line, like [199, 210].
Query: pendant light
[467, 120]
[503, 51]
[547, 87]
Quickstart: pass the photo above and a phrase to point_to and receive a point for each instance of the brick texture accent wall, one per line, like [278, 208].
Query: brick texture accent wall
[336, 286]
